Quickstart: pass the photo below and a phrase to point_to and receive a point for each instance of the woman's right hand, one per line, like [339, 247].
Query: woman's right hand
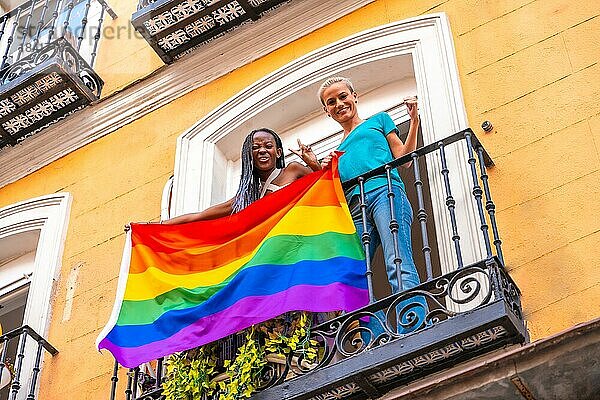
[412, 107]
[326, 161]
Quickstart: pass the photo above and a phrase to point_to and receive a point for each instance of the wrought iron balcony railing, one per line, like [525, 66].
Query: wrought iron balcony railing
[176, 27]
[47, 50]
[14, 348]
[449, 318]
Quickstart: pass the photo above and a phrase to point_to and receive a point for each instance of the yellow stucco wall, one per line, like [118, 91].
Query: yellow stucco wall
[530, 67]
[123, 55]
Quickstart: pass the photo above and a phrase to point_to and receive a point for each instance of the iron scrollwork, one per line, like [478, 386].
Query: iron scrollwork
[510, 291]
[145, 3]
[62, 50]
[28, 63]
[394, 317]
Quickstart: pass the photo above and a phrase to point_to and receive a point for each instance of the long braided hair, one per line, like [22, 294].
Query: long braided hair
[249, 189]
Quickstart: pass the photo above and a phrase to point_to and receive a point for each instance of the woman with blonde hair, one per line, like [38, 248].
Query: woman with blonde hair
[368, 144]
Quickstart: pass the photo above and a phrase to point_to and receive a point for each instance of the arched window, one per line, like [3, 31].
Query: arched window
[414, 56]
[32, 235]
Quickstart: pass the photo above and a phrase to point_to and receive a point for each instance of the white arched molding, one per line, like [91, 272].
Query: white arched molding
[165, 202]
[428, 41]
[50, 215]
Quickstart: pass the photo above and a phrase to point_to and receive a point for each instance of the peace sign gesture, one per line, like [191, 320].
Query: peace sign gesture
[305, 153]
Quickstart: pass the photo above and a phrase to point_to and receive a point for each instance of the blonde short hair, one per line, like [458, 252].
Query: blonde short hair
[330, 81]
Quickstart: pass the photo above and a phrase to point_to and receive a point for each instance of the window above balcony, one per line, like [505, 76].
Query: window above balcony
[47, 50]
[176, 27]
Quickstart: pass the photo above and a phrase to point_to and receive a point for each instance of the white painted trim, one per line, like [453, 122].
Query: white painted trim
[428, 40]
[165, 202]
[121, 286]
[50, 215]
[215, 59]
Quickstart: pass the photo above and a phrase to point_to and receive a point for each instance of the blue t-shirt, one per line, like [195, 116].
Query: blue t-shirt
[366, 148]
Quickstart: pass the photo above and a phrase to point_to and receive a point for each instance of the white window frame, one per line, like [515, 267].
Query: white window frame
[50, 215]
[428, 40]
[166, 208]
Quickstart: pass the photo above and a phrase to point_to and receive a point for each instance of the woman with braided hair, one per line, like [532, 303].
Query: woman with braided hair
[263, 172]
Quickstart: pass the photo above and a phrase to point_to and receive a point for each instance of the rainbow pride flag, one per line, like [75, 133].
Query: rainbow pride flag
[182, 286]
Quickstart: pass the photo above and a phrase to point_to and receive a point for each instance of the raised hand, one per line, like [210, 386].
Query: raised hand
[412, 107]
[306, 154]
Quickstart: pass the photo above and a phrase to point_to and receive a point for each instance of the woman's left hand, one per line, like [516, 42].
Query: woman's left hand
[306, 154]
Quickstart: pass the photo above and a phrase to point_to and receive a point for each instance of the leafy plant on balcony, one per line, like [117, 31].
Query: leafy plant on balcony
[189, 373]
[244, 371]
[280, 342]
[193, 375]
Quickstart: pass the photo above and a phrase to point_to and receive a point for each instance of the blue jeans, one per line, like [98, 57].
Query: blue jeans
[378, 226]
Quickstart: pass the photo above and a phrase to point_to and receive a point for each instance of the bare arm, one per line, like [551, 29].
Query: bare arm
[214, 212]
[399, 148]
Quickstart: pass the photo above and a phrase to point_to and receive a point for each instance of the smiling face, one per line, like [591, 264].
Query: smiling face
[340, 103]
[265, 151]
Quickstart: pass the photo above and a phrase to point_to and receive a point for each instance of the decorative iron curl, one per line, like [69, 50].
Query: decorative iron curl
[62, 49]
[407, 312]
[436, 315]
[300, 364]
[511, 293]
[71, 57]
[407, 306]
[145, 3]
[26, 64]
[467, 283]
[90, 79]
[46, 53]
[273, 374]
[350, 335]
[325, 338]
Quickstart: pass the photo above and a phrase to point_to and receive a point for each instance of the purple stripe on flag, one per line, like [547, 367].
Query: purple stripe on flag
[246, 312]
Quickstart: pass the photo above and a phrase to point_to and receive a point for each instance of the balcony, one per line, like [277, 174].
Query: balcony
[47, 50]
[471, 310]
[19, 367]
[174, 28]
